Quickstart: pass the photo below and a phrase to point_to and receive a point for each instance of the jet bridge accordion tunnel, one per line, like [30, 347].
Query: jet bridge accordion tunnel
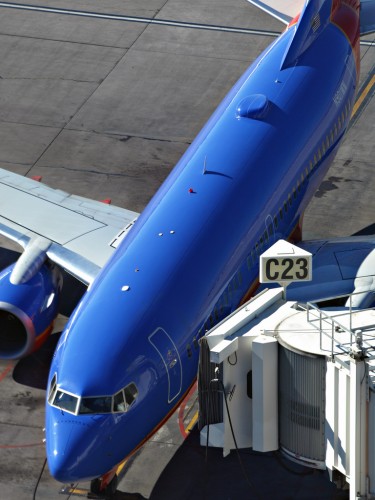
[286, 413]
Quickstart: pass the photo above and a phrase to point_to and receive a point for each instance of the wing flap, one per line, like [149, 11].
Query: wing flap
[81, 230]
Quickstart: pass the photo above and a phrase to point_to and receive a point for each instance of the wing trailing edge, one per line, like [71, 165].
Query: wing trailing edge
[367, 17]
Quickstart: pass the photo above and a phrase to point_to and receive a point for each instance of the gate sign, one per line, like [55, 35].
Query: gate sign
[285, 263]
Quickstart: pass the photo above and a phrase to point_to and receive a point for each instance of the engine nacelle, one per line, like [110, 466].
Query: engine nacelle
[28, 309]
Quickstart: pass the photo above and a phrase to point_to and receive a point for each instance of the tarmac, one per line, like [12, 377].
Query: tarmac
[104, 107]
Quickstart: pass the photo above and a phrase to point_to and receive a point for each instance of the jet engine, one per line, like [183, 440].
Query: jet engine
[29, 299]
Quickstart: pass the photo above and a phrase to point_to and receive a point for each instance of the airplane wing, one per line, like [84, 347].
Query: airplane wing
[286, 10]
[367, 17]
[283, 10]
[80, 233]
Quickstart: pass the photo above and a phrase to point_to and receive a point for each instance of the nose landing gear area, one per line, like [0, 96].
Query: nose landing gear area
[105, 488]
[98, 490]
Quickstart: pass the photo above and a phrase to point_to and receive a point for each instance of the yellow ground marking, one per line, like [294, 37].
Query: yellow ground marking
[192, 422]
[362, 96]
[74, 491]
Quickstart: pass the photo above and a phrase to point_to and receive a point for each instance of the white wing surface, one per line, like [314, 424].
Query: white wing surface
[83, 232]
[283, 10]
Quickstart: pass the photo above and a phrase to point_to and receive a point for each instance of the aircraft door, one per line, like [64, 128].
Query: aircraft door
[168, 352]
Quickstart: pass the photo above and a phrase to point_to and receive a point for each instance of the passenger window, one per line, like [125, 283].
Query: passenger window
[248, 260]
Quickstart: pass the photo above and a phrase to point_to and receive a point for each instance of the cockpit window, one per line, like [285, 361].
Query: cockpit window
[131, 392]
[119, 404]
[96, 405]
[65, 401]
[52, 389]
[124, 398]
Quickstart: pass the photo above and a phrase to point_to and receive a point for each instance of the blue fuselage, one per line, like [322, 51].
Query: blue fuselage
[192, 256]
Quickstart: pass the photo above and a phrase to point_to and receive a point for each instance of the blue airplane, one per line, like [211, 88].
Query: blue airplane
[129, 353]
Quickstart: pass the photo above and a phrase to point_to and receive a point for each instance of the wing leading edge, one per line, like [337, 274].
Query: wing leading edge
[83, 232]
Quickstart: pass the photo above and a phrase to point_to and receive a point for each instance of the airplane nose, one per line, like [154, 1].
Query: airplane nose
[75, 450]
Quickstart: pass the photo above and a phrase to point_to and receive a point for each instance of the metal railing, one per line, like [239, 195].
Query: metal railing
[357, 342]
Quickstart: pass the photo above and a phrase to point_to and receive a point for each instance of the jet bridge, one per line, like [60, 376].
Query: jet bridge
[279, 375]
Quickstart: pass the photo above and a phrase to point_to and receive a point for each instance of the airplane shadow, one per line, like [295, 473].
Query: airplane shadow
[33, 370]
[119, 495]
[366, 231]
[248, 474]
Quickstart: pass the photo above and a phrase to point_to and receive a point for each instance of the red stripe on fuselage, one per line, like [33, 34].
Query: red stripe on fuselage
[159, 425]
[345, 15]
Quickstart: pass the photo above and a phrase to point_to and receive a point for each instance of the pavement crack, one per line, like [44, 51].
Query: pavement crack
[57, 79]
[23, 425]
[92, 171]
[127, 137]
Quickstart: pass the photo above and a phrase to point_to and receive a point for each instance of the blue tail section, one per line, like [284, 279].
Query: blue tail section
[314, 17]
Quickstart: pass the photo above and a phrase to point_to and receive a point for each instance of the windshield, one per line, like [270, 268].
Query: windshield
[94, 405]
[65, 401]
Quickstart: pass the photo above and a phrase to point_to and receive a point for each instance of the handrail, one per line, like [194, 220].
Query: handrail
[356, 344]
